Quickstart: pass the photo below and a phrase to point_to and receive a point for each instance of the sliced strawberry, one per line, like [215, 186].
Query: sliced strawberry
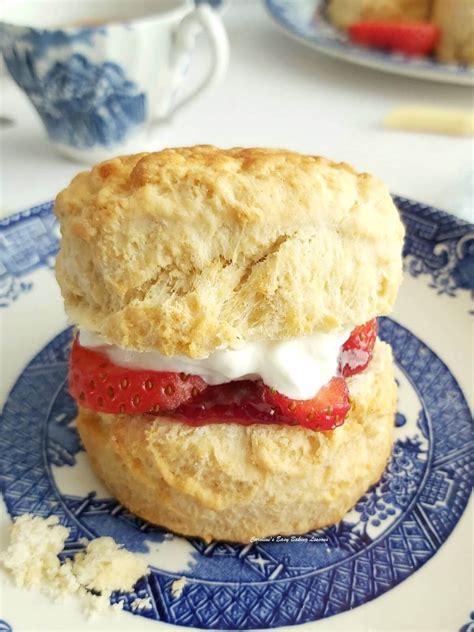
[324, 412]
[410, 38]
[357, 351]
[97, 383]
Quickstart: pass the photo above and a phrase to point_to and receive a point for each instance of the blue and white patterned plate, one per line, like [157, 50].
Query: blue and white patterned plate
[394, 529]
[306, 21]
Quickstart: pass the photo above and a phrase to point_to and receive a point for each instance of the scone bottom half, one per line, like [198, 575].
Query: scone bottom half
[204, 416]
[228, 481]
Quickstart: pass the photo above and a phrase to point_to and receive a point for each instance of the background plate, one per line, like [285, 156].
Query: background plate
[395, 528]
[306, 21]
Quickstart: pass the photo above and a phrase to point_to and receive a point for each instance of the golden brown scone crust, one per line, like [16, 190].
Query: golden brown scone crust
[456, 21]
[189, 249]
[233, 482]
[343, 13]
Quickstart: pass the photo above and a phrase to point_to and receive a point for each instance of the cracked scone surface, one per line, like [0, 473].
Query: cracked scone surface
[186, 250]
[233, 482]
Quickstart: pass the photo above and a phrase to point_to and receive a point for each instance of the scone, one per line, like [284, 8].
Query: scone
[456, 21]
[343, 13]
[226, 367]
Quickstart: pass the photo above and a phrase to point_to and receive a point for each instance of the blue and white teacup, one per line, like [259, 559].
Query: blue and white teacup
[103, 73]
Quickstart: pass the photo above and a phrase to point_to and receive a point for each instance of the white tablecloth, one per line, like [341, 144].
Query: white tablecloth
[277, 93]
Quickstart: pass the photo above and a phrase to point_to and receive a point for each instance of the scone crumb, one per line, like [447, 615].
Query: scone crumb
[105, 566]
[32, 559]
[141, 604]
[32, 555]
[177, 587]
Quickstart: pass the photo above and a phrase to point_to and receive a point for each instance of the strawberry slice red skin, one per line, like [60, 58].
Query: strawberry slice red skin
[97, 383]
[357, 351]
[410, 38]
[326, 411]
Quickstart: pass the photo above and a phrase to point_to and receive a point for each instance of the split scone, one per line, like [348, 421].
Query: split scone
[343, 13]
[227, 371]
[456, 21]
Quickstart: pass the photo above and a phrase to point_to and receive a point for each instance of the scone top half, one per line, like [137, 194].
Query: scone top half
[190, 250]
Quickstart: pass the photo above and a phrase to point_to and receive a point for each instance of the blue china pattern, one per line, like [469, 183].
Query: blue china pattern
[438, 245]
[11, 289]
[399, 481]
[28, 241]
[468, 627]
[306, 19]
[40, 41]
[391, 532]
[5, 627]
[82, 104]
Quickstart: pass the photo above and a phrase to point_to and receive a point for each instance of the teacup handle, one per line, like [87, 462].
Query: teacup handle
[206, 19]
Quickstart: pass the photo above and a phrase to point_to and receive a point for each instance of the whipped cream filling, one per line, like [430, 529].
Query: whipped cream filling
[297, 368]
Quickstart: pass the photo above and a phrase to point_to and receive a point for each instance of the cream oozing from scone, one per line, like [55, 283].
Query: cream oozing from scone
[297, 368]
